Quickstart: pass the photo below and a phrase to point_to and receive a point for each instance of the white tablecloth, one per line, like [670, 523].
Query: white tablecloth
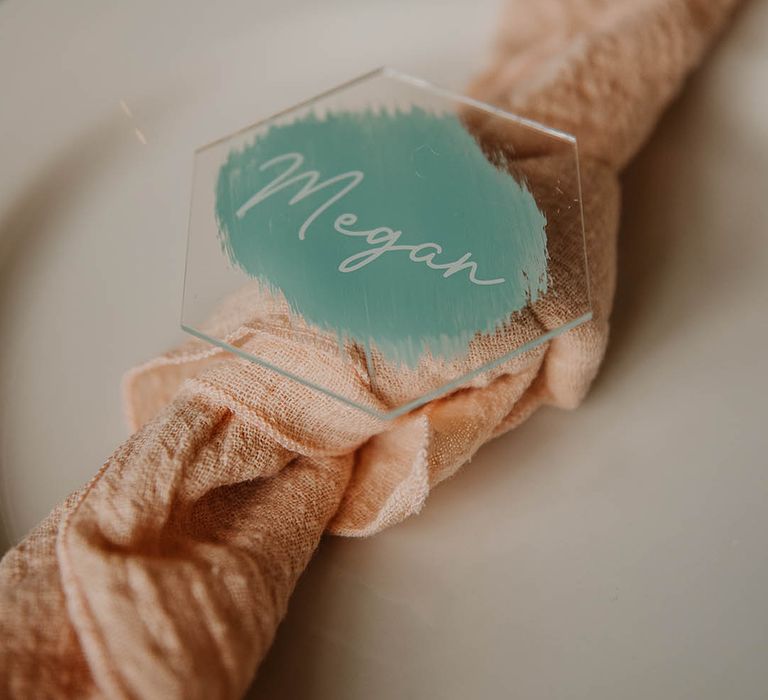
[615, 552]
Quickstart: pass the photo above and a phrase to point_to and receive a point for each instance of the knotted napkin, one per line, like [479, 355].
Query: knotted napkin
[167, 575]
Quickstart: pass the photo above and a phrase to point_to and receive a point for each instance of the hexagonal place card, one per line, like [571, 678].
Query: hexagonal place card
[386, 242]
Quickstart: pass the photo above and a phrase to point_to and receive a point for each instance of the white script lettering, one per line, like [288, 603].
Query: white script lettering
[381, 239]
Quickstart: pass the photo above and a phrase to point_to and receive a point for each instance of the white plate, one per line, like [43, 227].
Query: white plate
[618, 551]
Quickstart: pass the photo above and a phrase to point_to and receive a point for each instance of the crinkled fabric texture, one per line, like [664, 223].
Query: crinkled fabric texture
[168, 574]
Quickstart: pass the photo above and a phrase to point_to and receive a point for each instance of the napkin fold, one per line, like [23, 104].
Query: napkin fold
[168, 574]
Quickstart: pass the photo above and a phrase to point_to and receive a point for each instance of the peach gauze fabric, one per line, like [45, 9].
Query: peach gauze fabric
[168, 574]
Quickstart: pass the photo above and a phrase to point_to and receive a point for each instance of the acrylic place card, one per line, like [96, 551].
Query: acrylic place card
[423, 236]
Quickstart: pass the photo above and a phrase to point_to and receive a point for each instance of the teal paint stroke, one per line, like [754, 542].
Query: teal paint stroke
[422, 180]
